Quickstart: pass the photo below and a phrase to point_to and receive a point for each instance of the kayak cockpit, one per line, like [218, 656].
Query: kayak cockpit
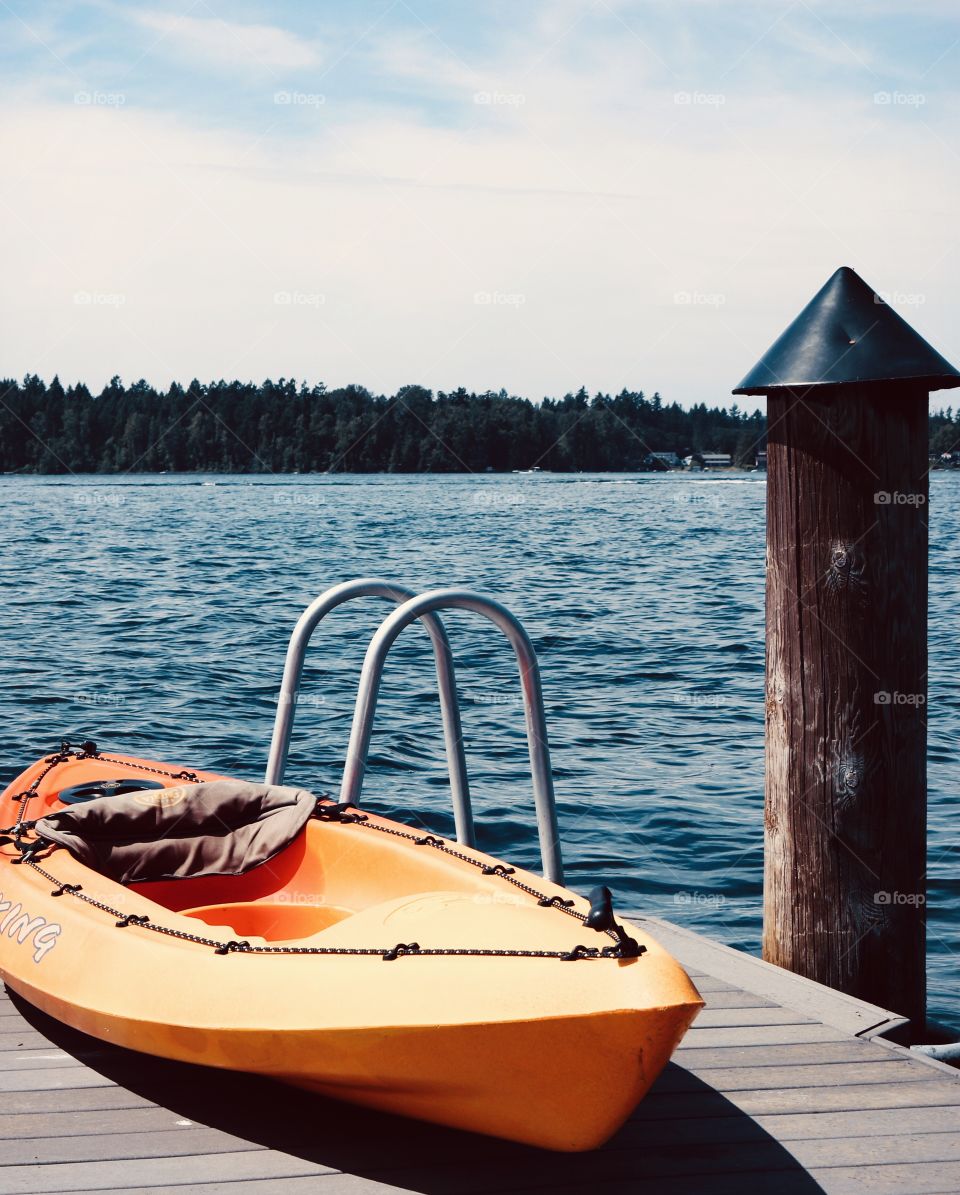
[328, 874]
[271, 920]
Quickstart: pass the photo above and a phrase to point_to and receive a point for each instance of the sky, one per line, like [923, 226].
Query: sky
[533, 195]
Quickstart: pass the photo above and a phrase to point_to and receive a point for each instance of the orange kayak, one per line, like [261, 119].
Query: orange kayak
[366, 960]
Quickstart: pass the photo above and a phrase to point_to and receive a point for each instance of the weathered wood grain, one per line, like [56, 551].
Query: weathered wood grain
[712, 1036]
[821, 1076]
[51, 1080]
[142, 1175]
[826, 1097]
[713, 1017]
[845, 822]
[701, 1054]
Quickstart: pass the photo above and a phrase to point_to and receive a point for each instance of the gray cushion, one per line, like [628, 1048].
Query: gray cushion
[223, 827]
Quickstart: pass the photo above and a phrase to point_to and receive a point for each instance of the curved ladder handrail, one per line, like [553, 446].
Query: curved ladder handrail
[446, 680]
[370, 676]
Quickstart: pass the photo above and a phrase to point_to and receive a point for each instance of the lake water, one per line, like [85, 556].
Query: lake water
[152, 614]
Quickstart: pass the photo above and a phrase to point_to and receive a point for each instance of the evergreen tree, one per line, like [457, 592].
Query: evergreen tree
[282, 426]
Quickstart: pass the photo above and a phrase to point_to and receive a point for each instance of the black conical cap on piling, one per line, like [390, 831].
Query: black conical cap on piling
[847, 333]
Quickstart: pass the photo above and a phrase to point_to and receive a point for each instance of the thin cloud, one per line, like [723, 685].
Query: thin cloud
[229, 44]
[532, 221]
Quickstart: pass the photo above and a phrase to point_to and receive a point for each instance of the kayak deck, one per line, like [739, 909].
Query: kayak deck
[510, 1016]
[761, 1096]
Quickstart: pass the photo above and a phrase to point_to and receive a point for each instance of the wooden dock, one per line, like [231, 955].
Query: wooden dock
[781, 1087]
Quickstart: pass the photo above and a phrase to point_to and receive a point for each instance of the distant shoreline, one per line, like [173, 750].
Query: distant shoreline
[285, 428]
[699, 474]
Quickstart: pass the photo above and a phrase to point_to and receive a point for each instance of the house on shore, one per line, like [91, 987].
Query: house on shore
[668, 460]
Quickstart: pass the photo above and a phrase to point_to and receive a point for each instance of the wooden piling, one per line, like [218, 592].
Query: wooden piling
[846, 636]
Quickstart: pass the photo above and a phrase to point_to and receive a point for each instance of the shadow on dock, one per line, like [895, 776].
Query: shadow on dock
[685, 1137]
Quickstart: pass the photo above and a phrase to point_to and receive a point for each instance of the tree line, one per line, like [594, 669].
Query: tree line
[242, 427]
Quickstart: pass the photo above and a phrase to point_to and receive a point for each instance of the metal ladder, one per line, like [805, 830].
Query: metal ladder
[410, 608]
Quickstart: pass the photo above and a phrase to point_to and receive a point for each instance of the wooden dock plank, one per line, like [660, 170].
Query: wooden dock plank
[749, 1161]
[714, 1036]
[704, 1057]
[921, 1179]
[11, 1044]
[714, 1016]
[917, 1178]
[706, 984]
[899, 1149]
[726, 998]
[117, 1146]
[318, 1184]
[822, 1076]
[149, 1118]
[31, 1058]
[696, 1128]
[102, 1099]
[76, 1075]
[853, 1097]
[182, 1171]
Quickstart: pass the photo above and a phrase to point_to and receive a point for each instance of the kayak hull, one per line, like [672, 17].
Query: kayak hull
[532, 1049]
